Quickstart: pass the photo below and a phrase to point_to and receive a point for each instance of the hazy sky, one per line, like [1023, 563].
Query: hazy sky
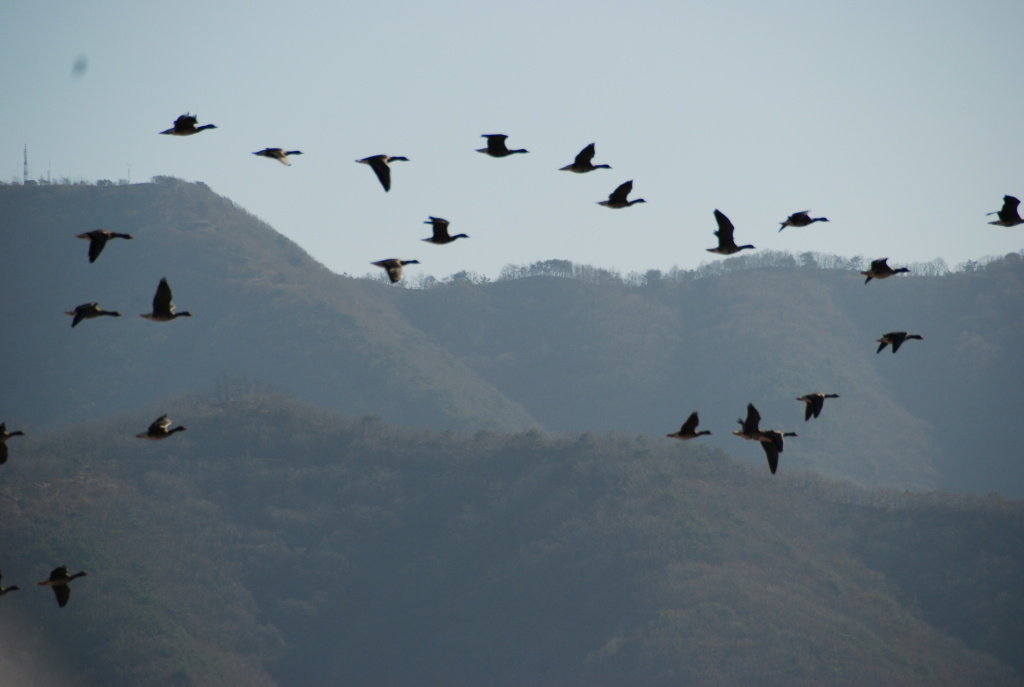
[899, 121]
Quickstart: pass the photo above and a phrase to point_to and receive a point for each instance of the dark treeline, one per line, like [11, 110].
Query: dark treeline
[278, 543]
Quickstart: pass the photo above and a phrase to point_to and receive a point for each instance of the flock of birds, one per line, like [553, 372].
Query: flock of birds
[771, 440]
[186, 125]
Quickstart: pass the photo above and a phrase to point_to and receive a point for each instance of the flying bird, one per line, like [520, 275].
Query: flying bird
[726, 243]
[58, 580]
[617, 198]
[441, 235]
[496, 146]
[163, 308]
[689, 429]
[582, 164]
[895, 339]
[278, 154]
[1009, 216]
[185, 125]
[160, 429]
[379, 164]
[98, 238]
[4, 436]
[393, 266]
[771, 440]
[880, 270]
[815, 402]
[801, 219]
[750, 427]
[88, 311]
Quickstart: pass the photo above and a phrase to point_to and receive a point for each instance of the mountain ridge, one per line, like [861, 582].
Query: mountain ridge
[244, 283]
[552, 346]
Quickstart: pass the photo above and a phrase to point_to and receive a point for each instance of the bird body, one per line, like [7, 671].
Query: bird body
[441, 235]
[617, 198]
[895, 339]
[88, 311]
[689, 429]
[801, 219]
[4, 436]
[163, 307]
[750, 427]
[98, 238]
[582, 164]
[379, 164]
[772, 443]
[393, 266]
[726, 242]
[771, 440]
[880, 270]
[1009, 216]
[496, 146]
[58, 580]
[160, 429]
[815, 402]
[279, 154]
[185, 125]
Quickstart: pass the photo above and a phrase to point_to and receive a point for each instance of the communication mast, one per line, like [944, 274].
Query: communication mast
[24, 171]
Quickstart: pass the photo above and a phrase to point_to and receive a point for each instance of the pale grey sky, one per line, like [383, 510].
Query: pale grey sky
[899, 121]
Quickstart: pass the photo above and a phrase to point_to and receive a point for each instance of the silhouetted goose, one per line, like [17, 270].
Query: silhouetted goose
[801, 219]
[98, 240]
[4, 436]
[582, 163]
[58, 580]
[880, 270]
[496, 146]
[1008, 216]
[441, 235]
[617, 198]
[379, 164]
[185, 125]
[3, 589]
[163, 308]
[726, 243]
[772, 443]
[393, 266]
[815, 402]
[278, 154]
[771, 440]
[88, 311]
[689, 429]
[749, 428]
[895, 339]
[160, 429]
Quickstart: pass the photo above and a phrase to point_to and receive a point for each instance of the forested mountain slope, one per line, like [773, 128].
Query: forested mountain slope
[584, 348]
[276, 543]
[262, 309]
[554, 345]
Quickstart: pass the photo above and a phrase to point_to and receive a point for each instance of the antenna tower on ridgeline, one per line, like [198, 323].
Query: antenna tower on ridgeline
[24, 171]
